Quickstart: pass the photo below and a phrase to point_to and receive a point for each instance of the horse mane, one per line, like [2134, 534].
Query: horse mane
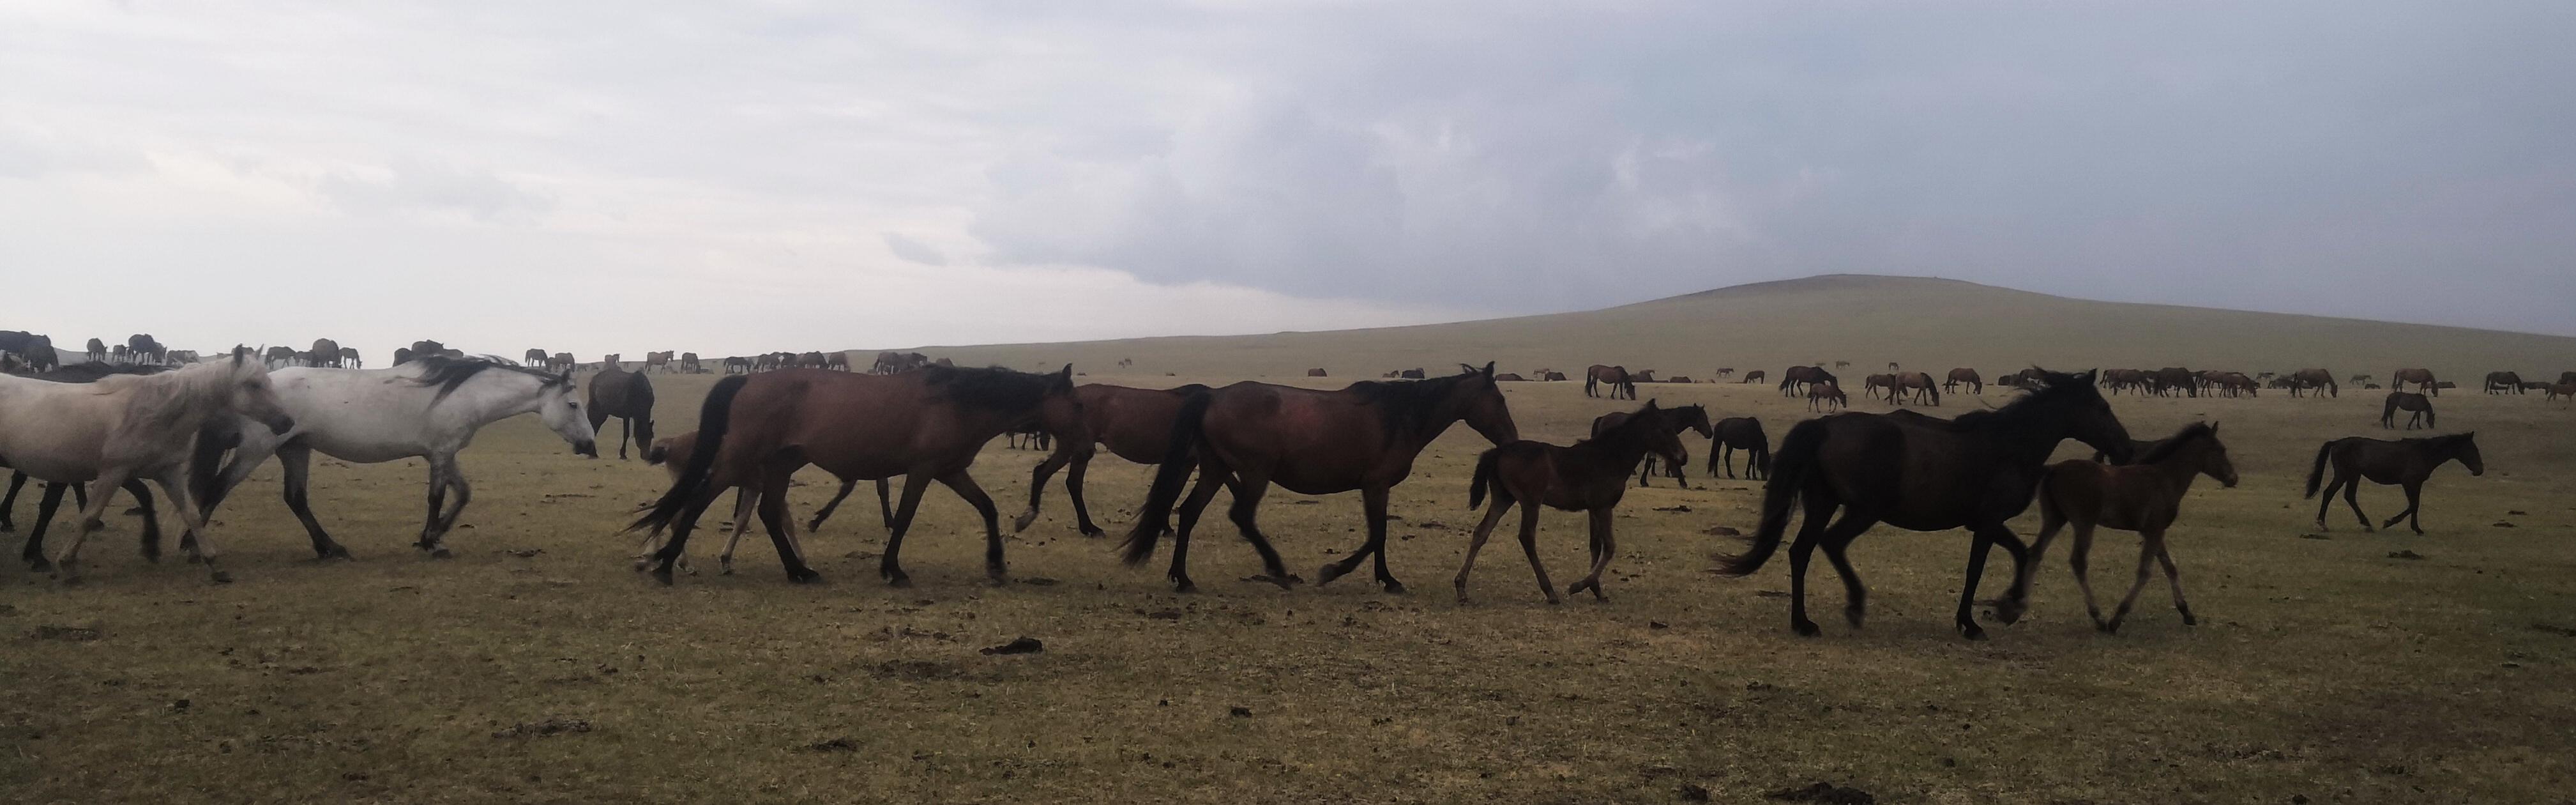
[162, 401]
[1406, 406]
[449, 373]
[2052, 387]
[2175, 443]
[992, 387]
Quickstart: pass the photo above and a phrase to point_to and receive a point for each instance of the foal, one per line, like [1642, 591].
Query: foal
[2143, 496]
[1820, 394]
[1590, 476]
[2406, 462]
[1688, 417]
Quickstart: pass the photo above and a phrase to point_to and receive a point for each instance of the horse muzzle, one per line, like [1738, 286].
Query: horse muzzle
[280, 424]
[587, 448]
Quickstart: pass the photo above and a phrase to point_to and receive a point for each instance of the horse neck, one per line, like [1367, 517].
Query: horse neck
[496, 394]
[1622, 446]
[2180, 468]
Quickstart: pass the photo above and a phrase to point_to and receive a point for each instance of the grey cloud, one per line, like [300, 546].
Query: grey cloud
[424, 186]
[914, 250]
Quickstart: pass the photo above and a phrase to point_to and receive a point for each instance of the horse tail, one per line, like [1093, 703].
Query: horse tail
[1789, 472]
[1484, 475]
[713, 420]
[2388, 412]
[2317, 473]
[1155, 517]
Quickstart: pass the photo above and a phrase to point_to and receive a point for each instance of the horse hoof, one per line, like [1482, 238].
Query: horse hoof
[804, 575]
[1326, 574]
[1020, 523]
[222, 577]
[40, 566]
[194, 559]
[1093, 532]
[1853, 614]
[441, 552]
[1971, 631]
[1394, 587]
[1805, 628]
[2188, 620]
[641, 564]
[663, 575]
[336, 552]
[724, 568]
[899, 581]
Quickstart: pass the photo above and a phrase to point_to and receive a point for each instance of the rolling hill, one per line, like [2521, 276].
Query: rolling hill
[1925, 323]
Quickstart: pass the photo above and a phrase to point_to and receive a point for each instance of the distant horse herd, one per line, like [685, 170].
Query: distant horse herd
[196, 429]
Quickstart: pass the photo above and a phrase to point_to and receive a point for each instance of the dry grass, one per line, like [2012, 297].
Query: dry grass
[2323, 668]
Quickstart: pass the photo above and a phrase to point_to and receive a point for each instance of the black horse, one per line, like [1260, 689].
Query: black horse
[1923, 473]
[2405, 462]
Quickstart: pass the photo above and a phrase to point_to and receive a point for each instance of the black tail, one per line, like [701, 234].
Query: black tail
[1797, 455]
[1484, 475]
[713, 420]
[1156, 515]
[2317, 474]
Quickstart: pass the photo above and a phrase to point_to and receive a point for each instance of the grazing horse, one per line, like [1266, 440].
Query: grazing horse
[2117, 380]
[1590, 476]
[1922, 473]
[758, 430]
[1822, 395]
[2408, 401]
[402, 355]
[2171, 378]
[837, 361]
[561, 363]
[1964, 376]
[429, 408]
[1919, 383]
[1249, 435]
[1135, 424]
[2143, 497]
[38, 350]
[97, 350]
[2422, 378]
[1688, 417]
[1755, 376]
[536, 357]
[2501, 382]
[2235, 383]
[280, 357]
[1617, 376]
[1872, 385]
[1795, 381]
[1740, 433]
[628, 396]
[348, 358]
[2405, 463]
[132, 426]
[326, 352]
[2313, 379]
[141, 345]
[689, 362]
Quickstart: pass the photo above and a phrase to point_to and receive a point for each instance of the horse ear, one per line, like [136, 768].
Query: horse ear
[2213, 428]
[1489, 370]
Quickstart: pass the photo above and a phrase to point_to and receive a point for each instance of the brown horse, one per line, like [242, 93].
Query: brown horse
[1823, 395]
[537, 358]
[1553, 377]
[628, 396]
[2235, 384]
[1795, 381]
[1688, 417]
[1755, 376]
[1315, 373]
[1922, 473]
[1740, 433]
[1250, 435]
[1920, 384]
[1136, 425]
[2115, 379]
[2142, 497]
[2407, 401]
[2503, 382]
[926, 426]
[2405, 463]
[2422, 378]
[2313, 379]
[1964, 376]
[1616, 376]
[1589, 477]
[1872, 385]
[2562, 390]
[672, 453]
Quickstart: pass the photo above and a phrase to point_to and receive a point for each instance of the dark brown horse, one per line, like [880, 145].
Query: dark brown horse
[1964, 376]
[1795, 381]
[1135, 424]
[2405, 463]
[2143, 497]
[1917, 383]
[1740, 433]
[926, 426]
[2422, 378]
[1589, 477]
[1755, 376]
[2312, 379]
[2504, 382]
[628, 396]
[672, 453]
[1821, 396]
[1688, 417]
[1922, 473]
[1616, 376]
[2562, 390]
[2407, 401]
[1873, 385]
[1250, 435]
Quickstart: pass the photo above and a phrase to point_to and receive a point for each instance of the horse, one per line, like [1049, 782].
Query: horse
[536, 357]
[1964, 376]
[326, 352]
[926, 426]
[2404, 462]
[133, 426]
[429, 408]
[628, 396]
[662, 361]
[1724, 372]
[672, 453]
[1755, 376]
[1135, 424]
[2408, 401]
[2502, 382]
[120, 354]
[348, 358]
[53, 492]
[402, 355]
[2133, 380]
[97, 350]
[1821, 394]
[689, 362]
[1919, 383]
[1590, 476]
[1870, 386]
[1922, 473]
[561, 363]
[2236, 383]
[140, 345]
[1641, 376]
[2313, 379]
[38, 350]
[1364, 437]
[2558, 390]
[1740, 433]
[2422, 378]
[1688, 417]
[2176, 377]
[738, 365]
[2566, 378]
[1616, 376]
[837, 361]
[2143, 496]
[280, 357]
[612, 361]
[1799, 378]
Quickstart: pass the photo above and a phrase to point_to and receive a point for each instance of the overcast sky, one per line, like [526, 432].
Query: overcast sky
[729, 178]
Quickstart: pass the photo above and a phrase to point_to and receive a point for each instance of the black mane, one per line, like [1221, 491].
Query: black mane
[2053, 386]
[2170, 445]
[1407, 406]
[993, 387]
[448, 373]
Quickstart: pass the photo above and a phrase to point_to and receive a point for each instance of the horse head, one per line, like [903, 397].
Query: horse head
[1480, 402]
[248, 392]
[559, 404]
[2465, 448]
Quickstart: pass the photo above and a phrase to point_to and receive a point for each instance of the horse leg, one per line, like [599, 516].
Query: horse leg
[296, 463]
[2079, 559]
[443, 476]
[1073, 488]
[1604, 546]
[1484, 531]
[885, 505]
[1645, 469]
[2352, 497]
[1191, 507]
[67, 564]
[151, 541]
[890, 566]
[744, 507]
[34, 553]
[1373, 505]
[1529, 547]
[2146, 553]
[2016, 599]
[782, 525]
[9, 501]
[625, 433]
[2165, 558]
[2414, 500]
[1249, 489]
[678, 546]
[817, 523]
[1819, 515]
[964, 485]
[174, 483]
[1966, 621]
[1037, 485]
[1836, 539]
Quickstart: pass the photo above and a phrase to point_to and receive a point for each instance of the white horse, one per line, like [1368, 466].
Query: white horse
[430, 408]
[131, 426]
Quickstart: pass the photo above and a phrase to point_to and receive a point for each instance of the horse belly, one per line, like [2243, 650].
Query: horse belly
[357, 449]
